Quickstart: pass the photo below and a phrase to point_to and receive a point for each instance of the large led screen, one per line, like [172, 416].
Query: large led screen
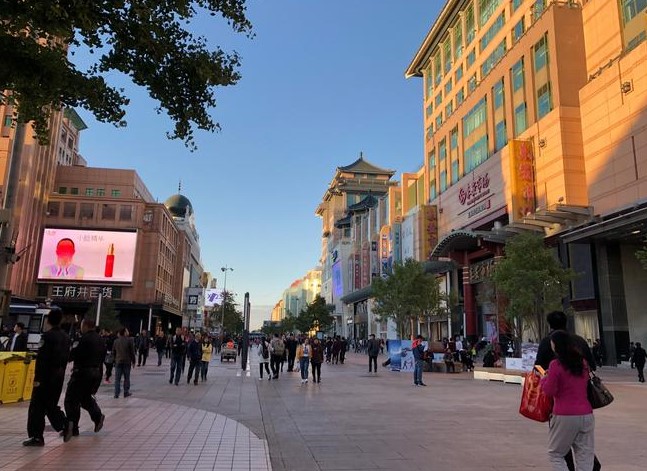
[337, 281]
[87, 255]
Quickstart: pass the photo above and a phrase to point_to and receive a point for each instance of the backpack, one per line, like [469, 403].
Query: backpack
[278, 347]
[265, 351]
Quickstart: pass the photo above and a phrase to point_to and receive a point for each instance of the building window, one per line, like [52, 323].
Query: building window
[89, 192]
[449, 110]
[8, 121]
[544, 101]
[475, 118]
[516, 4]
[432, 158]
[439, 121]
[541, 53]
[429, 110]
[517, 76]
[101, 192]
[631, 8]
[493, 59]
[476, 154]
[470, 29]
[430, 131]
[497, 95]
[125, 212]
[471, 58]
[460, 97]
[442, 152]
[447, 54]
[69, 210]
[455, 171]
[62, 190]
[438, 71]
[433, 192]
[471, 84]
[108, 212]
[538, 9]
[443, 180]
[87, 211]
[53, 208]
[459, 73]
[429, 82]
[486, 10]
[519, 30]
[439, 99]
[458, 41]
[634, 31]
[116, 193]
[500, 136]
[453, 139]
[448, 86]
[492, 32]
[520, 122]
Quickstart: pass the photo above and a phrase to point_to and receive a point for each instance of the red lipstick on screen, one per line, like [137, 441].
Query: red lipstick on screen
[110, 261]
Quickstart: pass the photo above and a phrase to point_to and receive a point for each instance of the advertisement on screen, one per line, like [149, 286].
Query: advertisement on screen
[337, 281]
[212, 297]
[87, 255]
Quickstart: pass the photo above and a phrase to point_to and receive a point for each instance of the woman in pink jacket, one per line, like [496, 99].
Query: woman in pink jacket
[572, 423]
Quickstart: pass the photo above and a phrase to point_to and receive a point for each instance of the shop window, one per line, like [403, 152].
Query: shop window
[126, 212]
[87, 211]
[69, 210]
[108, 212]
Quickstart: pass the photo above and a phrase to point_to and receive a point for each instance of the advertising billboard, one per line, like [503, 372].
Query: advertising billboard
[212, 297]
[87, 255]
[337, 280]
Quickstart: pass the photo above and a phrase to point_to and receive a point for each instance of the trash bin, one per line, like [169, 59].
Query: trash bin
[30, 361]
[13, 374]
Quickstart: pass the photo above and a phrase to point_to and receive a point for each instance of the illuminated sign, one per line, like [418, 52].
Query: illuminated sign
[522, 176]
[87, 255]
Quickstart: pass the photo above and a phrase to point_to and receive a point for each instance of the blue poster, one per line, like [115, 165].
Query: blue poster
[394, 354]
[401, 355]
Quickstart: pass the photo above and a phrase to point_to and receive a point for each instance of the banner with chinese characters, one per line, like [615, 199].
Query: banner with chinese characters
[81, 292]
[522, 179]
[428, 230]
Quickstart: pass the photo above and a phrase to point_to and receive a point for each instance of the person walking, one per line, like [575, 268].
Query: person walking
[143, 346]
[194, 354]
[264, 358]
[123, 351]
[572, 424]
[317, 358]
[343, 344]
[178, 346]
[557, 321]
[206, 357]
[639, 358]
[109, 360]
[49, 376]
[291, 347]
[18, 341]
[86, 377]
[277, 352]
[160, 346]
[418, 349]
[303, 356]
[336, 348]
[373, 349]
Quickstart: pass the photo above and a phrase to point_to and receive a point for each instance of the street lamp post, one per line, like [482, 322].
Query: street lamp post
[224, 269]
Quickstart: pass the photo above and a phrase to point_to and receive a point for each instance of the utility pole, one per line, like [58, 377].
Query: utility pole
[246, 314]
[7, 248]
[224, 269]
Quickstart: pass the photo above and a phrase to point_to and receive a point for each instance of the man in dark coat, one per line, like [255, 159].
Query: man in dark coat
[194, 352]
[557, 320]
[178, 350]
[639, 358]
[291, 347]
[18, 341]
[49, 376]
[86, 377]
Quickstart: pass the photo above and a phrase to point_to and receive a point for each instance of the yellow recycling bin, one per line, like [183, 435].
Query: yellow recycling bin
[14, 368]
[29, 379]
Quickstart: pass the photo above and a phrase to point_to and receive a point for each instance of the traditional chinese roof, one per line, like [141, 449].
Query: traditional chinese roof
[343, 222]
[369, 202]
[364, 166]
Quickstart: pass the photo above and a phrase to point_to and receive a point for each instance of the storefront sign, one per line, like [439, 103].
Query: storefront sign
[81, 292]
[396, 239]
[428, 227]
[522, 177]
[385, 251]
[366, 262]
[358, 272]
[474, 191]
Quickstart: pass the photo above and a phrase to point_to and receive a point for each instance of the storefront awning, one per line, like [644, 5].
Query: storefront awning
[359, 295]
[461, 240]
[553, 220]
[631, 223]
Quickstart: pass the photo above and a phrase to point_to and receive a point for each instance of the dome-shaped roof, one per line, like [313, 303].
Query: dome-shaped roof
[179, 206]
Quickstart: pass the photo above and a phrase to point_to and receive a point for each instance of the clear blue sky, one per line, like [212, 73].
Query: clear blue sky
[322, 81]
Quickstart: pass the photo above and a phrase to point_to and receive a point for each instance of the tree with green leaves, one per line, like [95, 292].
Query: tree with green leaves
[407, 295]
[109, 318]
[533, 282]
[316, 316]
[148, 41]
[233, 317]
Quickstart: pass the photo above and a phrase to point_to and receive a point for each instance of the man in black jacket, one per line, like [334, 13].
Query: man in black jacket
[194, 352]
[49, 376]
[557, 320]
[291, 347]
[18, 341]
[86, 377]
[178, 349]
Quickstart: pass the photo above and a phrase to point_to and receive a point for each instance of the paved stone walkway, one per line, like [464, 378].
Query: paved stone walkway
[351, 421]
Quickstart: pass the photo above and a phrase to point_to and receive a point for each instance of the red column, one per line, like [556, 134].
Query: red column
[469, 303]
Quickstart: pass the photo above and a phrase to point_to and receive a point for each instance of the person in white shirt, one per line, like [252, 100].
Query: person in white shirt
[303, 355]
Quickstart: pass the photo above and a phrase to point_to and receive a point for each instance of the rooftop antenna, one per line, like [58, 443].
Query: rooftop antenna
[361, 154]
[179, 186]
